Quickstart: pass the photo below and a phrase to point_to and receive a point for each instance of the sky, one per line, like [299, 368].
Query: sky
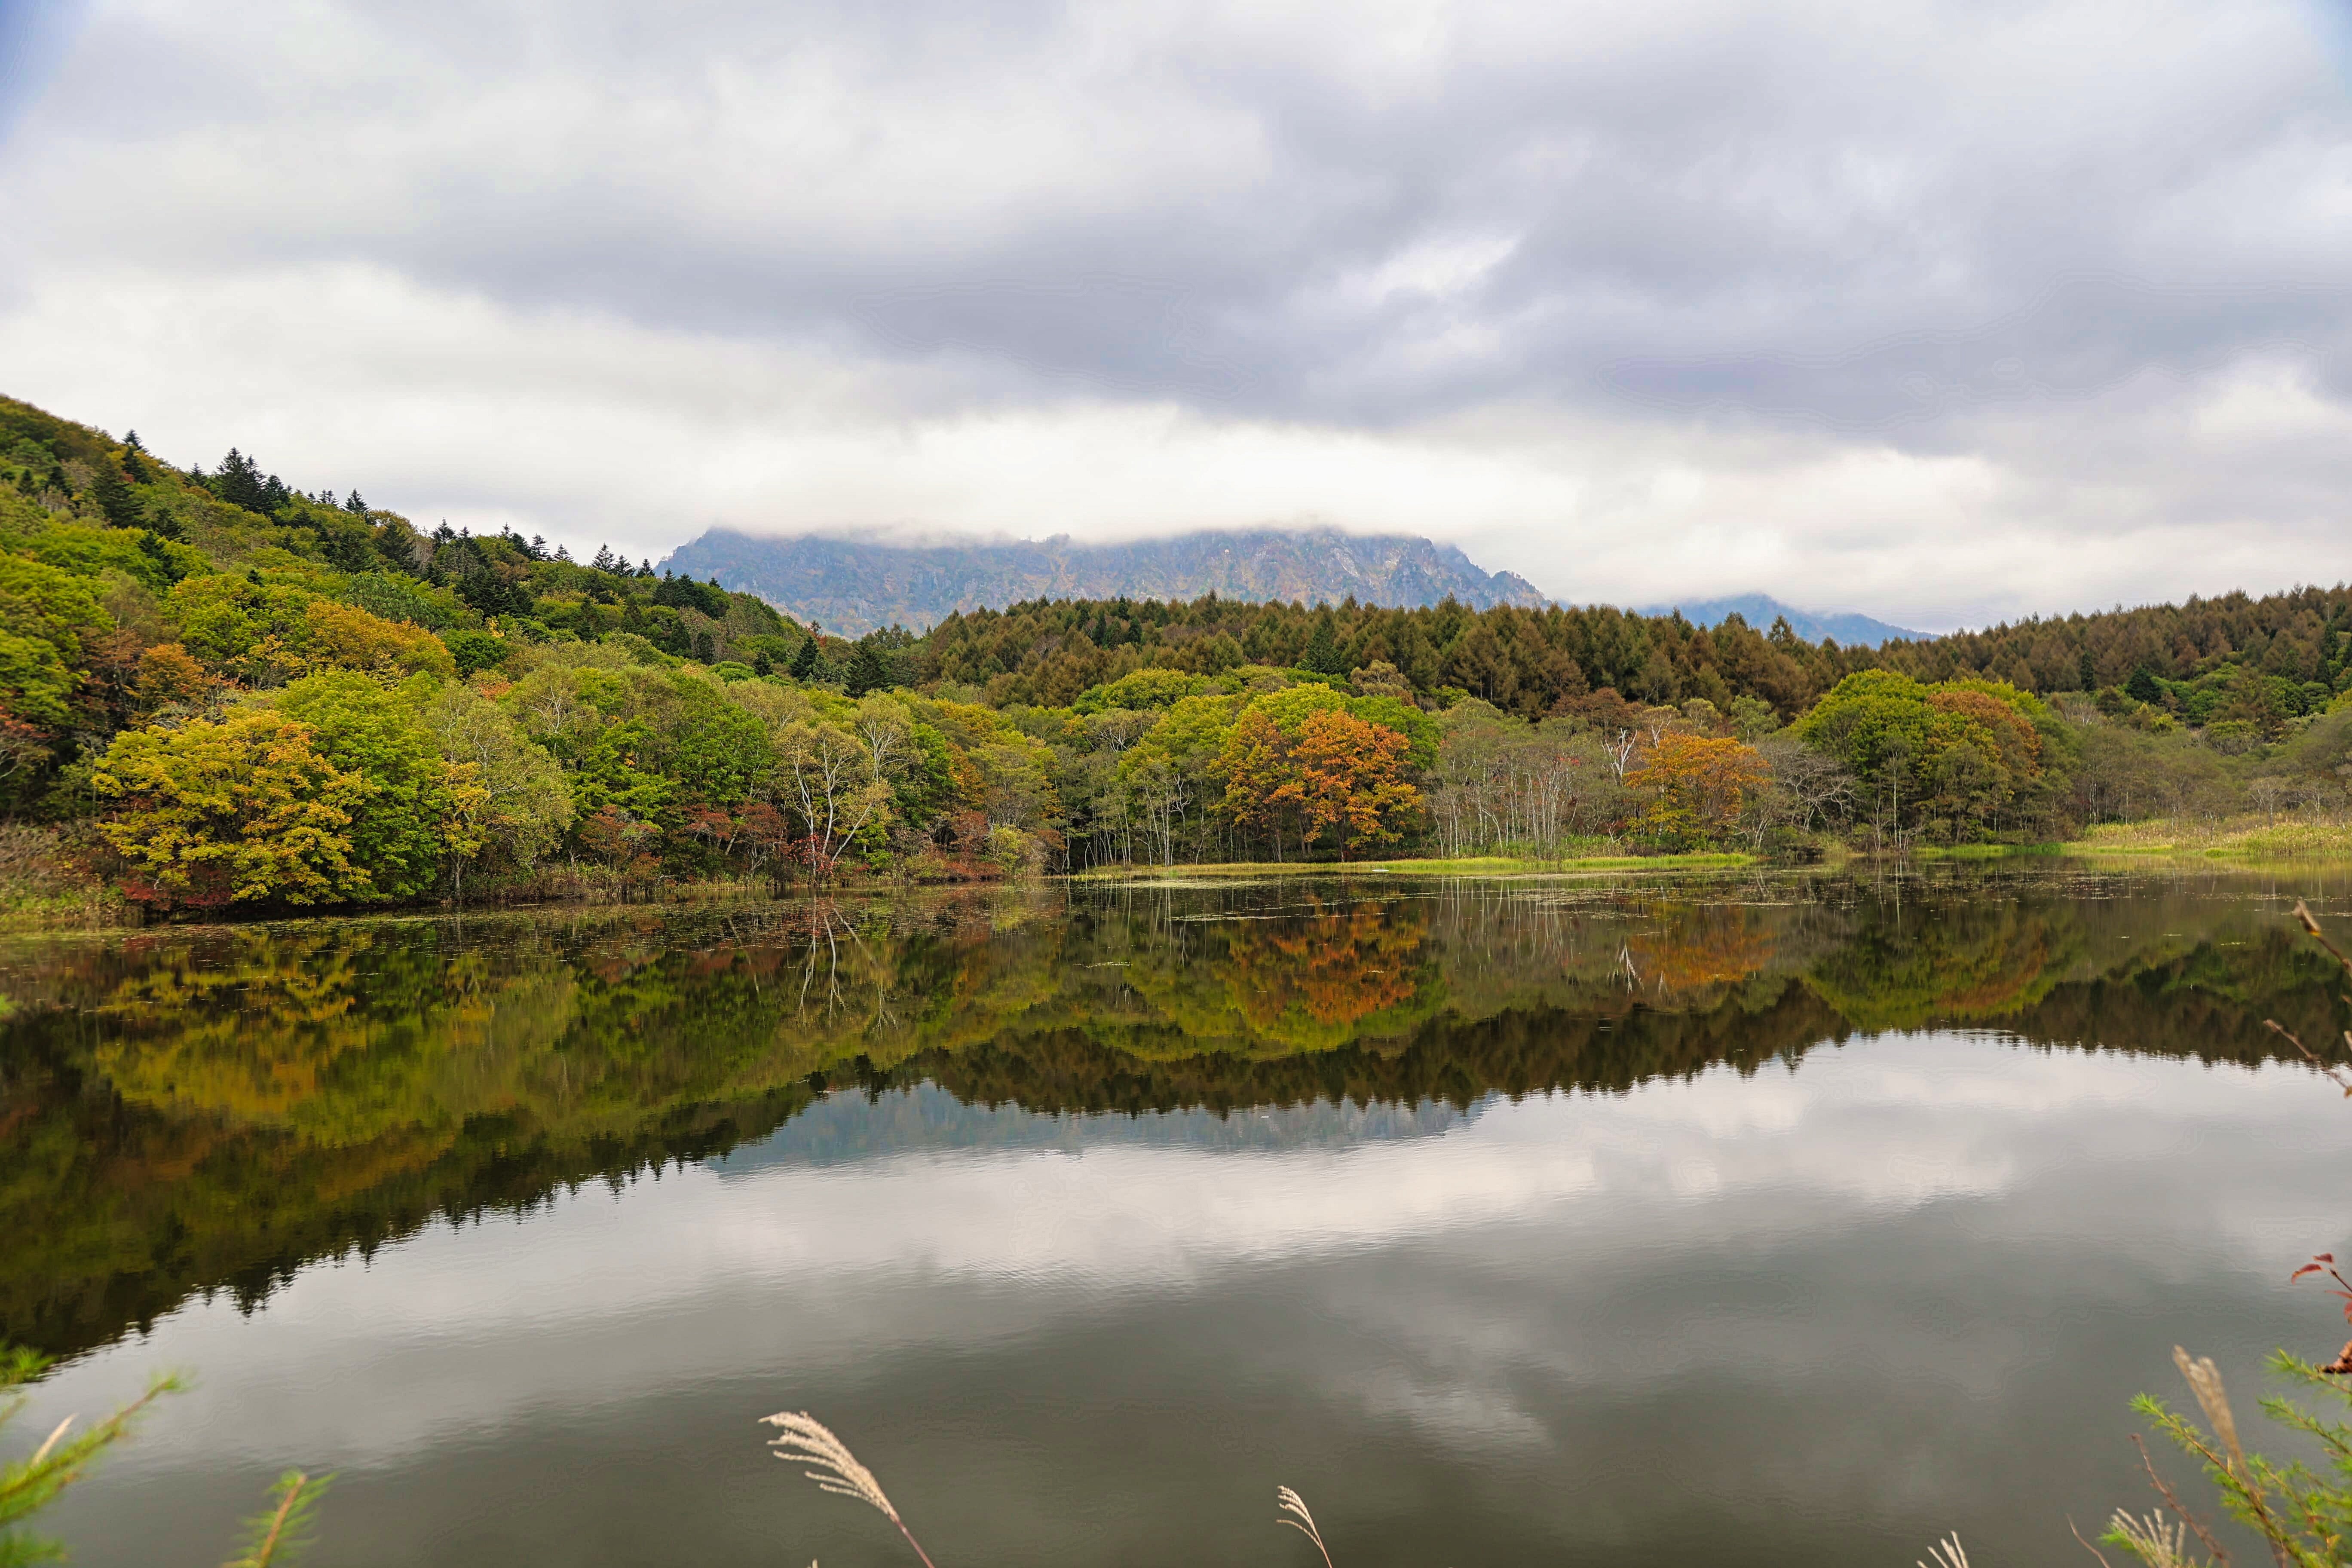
[1946, 312]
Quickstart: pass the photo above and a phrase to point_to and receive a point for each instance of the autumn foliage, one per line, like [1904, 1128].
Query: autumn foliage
[515, 721]
[239, 810]
[1330, 774]
[1702, 782]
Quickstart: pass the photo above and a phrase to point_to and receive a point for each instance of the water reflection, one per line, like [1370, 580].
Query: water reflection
[200, 1110]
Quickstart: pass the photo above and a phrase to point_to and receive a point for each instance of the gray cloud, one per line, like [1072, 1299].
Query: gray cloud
[2036, 238]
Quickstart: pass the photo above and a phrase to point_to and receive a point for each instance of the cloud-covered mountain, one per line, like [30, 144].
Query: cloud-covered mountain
[854, 587]
[1758, 610]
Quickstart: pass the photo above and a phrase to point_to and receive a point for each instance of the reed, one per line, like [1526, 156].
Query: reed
[803, 1440]
[1292, 1503]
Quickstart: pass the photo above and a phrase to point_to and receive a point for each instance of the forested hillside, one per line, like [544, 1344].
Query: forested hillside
[857, 587]
[217, 690]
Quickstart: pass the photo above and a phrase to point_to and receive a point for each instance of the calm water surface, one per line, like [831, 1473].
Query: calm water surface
[1788, 1219]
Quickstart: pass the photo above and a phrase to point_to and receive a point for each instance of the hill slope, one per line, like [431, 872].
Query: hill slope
[1758, 610]
[856, 587]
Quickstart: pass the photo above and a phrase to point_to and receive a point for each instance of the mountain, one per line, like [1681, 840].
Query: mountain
[1848, 630]
[854, 587]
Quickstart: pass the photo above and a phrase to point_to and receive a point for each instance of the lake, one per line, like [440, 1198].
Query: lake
[1778, 1218]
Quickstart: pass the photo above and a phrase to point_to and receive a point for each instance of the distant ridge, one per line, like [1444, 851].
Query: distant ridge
[1758, 610]
[854, 587]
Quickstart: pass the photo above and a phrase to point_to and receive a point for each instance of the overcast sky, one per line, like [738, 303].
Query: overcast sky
[1942, 311]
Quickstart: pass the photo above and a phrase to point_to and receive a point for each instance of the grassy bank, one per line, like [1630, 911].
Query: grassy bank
[1482, 866]
[2249, 838]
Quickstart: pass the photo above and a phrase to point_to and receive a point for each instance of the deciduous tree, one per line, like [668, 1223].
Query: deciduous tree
[240, 811]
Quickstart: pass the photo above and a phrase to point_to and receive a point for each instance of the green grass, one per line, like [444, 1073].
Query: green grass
[2252, 838]
[1480, 866]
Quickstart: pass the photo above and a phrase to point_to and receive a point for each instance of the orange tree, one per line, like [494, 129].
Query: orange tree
[1317, 767]
[1261, 778]
[1703, 780]
[1350, 776]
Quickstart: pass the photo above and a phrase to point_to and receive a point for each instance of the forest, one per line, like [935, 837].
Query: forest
[217, 690]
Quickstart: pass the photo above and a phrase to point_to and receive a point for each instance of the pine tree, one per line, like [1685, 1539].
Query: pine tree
[1322, 654]
[2142, 687]
[805, 659]
[762, 664]
[867, 671]
[114, 498]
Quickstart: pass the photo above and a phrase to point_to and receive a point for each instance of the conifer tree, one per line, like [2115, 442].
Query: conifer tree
[868, 672]
[114, 498]
[239, 482]
[1322, 654]
[805, 658]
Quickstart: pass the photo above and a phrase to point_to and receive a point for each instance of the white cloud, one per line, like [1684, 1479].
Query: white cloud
[1500, 1233]
[1933, 312]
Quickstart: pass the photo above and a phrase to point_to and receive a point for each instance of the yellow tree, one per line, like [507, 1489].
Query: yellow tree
[241, 811]
[1702, 781]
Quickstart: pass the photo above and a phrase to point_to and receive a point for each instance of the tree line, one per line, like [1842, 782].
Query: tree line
[219, 690]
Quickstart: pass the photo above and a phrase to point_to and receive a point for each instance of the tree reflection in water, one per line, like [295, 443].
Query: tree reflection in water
[201, 1109]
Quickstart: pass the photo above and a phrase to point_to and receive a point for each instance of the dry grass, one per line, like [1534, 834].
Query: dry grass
[42, 888]
[2249, 838]
[806, 1440]
[1946, 1553]
[1292, 1503]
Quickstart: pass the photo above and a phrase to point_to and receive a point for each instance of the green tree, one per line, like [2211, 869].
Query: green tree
[1322, 655]
[868, 669]
[413, 803]
[46, 619]
[808, 660]
[1957, 757]
[826, 779]
[521, 803]
[114, 498]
